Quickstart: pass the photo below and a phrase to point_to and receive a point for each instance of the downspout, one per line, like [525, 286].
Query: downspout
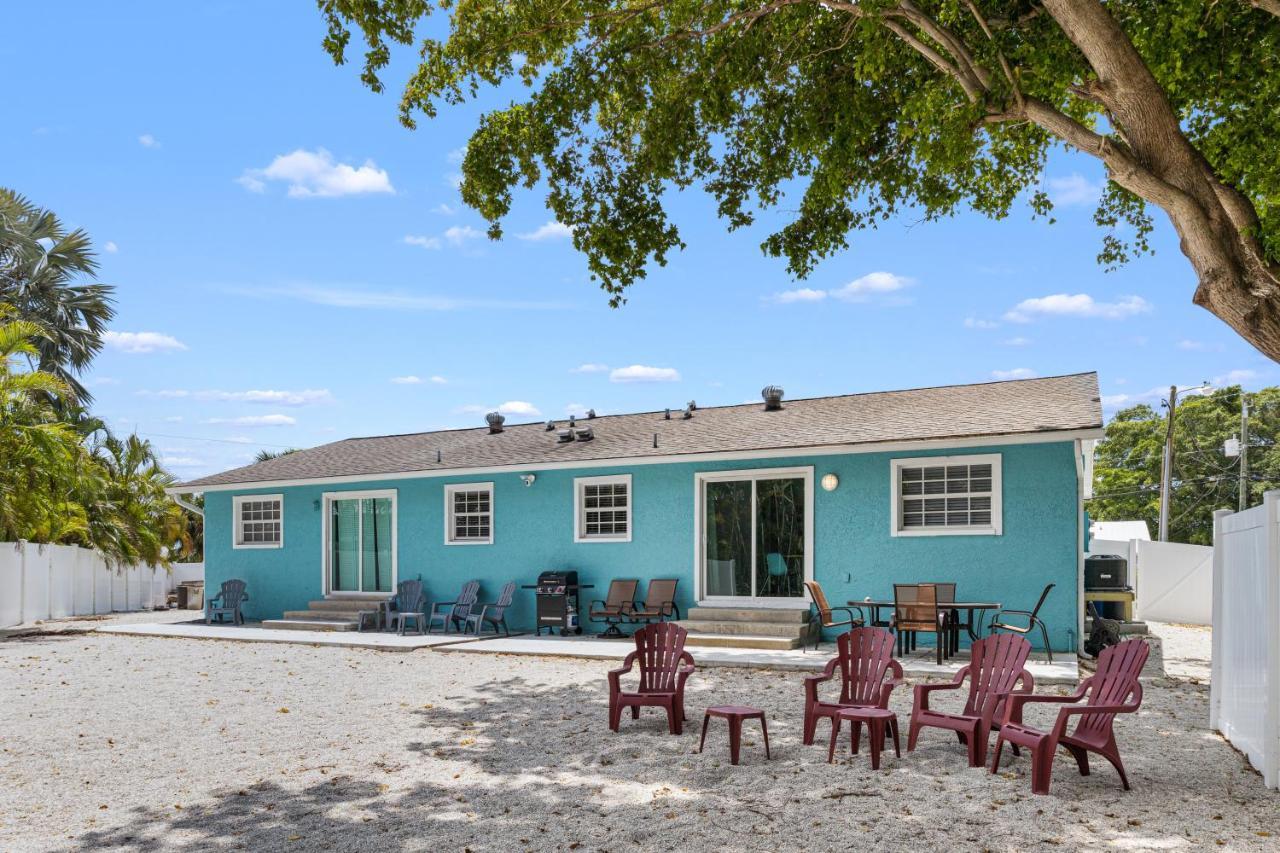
[1081, 467]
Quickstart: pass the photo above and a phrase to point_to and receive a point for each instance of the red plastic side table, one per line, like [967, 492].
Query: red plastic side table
[735, 714]
[877, 719]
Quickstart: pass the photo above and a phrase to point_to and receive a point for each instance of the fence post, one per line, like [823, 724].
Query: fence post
[1271, 605]
[1215, 633]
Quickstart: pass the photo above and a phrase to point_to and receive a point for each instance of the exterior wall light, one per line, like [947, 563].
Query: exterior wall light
[830, 482]
[528, 479]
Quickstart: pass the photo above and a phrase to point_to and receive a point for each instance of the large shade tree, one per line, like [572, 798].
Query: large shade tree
[862, 108]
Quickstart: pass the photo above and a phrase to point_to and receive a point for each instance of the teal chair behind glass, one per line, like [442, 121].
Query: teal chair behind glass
[779, 573]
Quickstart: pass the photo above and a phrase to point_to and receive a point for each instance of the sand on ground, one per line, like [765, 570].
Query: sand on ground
[114, 742]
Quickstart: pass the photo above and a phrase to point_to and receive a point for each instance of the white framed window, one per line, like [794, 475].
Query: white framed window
[602, 509]
[468, 514]
[947, 495]
[258, 521]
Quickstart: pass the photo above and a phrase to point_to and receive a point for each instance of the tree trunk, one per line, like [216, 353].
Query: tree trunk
[1216, 224]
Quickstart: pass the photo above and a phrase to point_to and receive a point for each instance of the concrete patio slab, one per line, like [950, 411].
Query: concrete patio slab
[251, 632]
[1063, 670]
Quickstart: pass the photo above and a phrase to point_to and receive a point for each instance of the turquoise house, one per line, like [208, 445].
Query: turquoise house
[977, 484]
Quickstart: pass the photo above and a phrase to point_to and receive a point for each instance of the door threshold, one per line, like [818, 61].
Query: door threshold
[756, 603]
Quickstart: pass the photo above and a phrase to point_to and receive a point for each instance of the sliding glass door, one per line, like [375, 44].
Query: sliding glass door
[360, 551]
[755, 528]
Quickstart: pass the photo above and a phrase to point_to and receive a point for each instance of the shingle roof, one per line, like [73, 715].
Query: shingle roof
[993, 409]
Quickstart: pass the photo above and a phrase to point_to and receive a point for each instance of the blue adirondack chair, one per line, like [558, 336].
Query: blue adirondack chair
[454, 612]
[407, 606]
[494, 614]
[227, 603]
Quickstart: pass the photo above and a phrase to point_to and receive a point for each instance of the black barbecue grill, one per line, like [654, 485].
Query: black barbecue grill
[557, 595]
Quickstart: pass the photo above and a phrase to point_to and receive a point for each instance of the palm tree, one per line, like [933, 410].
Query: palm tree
[39, 451]
[268, 455]
[42, 272]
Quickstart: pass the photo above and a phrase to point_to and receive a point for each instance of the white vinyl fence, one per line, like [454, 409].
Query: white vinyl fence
[1244, 698]
[1174, 582]
[55, 581]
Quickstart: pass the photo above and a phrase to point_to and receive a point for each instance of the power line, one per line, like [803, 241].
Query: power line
[219, 440]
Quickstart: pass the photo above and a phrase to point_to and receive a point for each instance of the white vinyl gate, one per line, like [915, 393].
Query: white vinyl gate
[1244, 699]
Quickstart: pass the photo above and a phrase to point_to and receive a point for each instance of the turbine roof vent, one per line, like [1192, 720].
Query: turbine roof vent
[495, 420]
[772, 395]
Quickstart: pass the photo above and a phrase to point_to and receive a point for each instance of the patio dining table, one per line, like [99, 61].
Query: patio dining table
[977, 609]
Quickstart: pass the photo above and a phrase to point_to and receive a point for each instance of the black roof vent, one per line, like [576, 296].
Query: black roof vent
[591, 414]
[495, 420]
[688, 413]
[551, 426]
[772, 395]
[586, 434]
[572, 421]
[667, 416]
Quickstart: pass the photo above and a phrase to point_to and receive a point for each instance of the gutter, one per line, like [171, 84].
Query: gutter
[185, 504]
[882, 446]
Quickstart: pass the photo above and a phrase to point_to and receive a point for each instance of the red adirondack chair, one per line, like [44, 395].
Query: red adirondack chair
[660, 651]
[1113, 689]
[863, 656]
[996, 666]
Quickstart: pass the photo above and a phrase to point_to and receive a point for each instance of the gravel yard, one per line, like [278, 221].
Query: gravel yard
[155, 744]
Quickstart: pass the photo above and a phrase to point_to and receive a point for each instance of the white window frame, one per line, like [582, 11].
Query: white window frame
[700, 479]
[449, 491]
[237, 524]
[579, 509]
[995, 528]
[326, 500]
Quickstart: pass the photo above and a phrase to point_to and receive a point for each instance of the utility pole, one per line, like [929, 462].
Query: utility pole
[1166, 467]
[1244, 450]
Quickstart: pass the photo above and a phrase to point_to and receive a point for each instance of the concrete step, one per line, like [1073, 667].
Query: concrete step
[345, 604]
[325, 615]
[741, 641]
[309, 625]
[757, 629]
[753, 615]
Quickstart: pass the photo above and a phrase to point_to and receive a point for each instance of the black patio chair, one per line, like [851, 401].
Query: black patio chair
[998, 622]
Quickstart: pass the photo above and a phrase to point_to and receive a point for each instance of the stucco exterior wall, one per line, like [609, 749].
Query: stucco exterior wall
[855, 555]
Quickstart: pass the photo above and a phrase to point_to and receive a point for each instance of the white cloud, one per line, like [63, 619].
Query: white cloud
[869, 286]
[511, 407]
[406, 380]
[146, 140]
[459, 234]
[803, 294]
[1073, 189]
[174, 419]
[1114, 400]
[550, 231]
[872, 284]
[314, 174]
[341, 297]
[438, 380]
[307, 397]
[142, 342]
[576, 409]
[644, 373]
[256, 420]
[444, 209]
[519, 407]
[975, 323]
[590, 367]
[1235, 377]
[1016, 342]
[110, 247]
[183, 461]
[423, 241]
[456, 236]
[1015, 373]
[1076, 305]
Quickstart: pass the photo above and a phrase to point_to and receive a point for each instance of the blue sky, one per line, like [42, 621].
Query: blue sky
[293, 267]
